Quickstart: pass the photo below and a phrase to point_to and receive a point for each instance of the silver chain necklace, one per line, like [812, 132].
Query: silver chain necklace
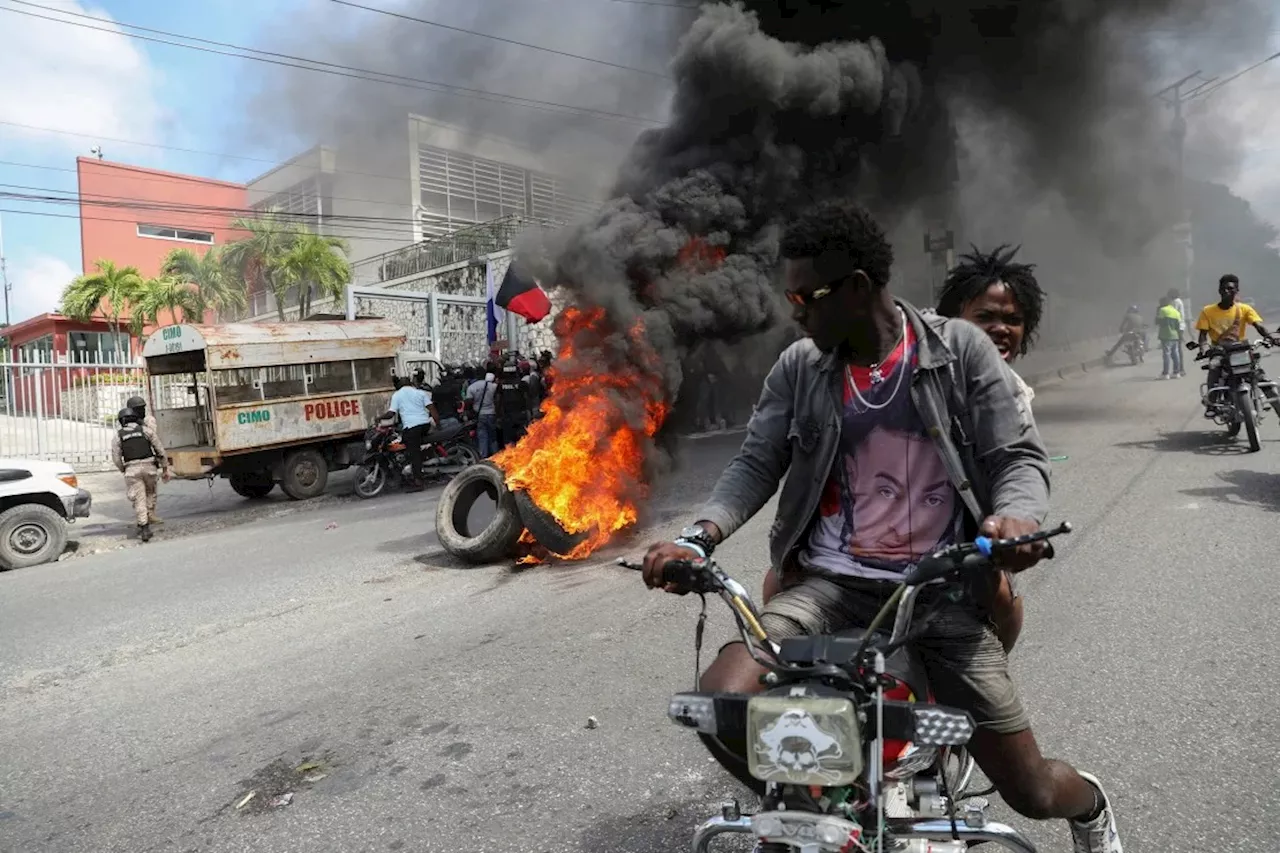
[877, 377]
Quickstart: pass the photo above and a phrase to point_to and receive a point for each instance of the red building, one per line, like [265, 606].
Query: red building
[135, 216]
[73, 355]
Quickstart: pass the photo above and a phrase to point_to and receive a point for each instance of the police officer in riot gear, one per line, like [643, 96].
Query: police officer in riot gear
[139, 455]
[139, 407]
[512, 403]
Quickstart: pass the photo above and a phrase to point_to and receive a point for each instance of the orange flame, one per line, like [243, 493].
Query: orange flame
[583, 462]
[699, 256]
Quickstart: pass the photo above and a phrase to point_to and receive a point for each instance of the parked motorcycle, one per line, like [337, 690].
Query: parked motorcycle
[844, 747]
[446, 450]
[1237, 396]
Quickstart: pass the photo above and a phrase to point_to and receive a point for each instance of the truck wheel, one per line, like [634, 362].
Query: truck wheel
[31, 534]
[304, 475]
[252, 484]
[544, 527]
[497, 540]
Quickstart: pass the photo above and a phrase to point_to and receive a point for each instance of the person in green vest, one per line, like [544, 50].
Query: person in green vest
[1169, 328]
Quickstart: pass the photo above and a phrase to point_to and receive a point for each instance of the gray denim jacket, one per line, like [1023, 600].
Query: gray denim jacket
[965, 395]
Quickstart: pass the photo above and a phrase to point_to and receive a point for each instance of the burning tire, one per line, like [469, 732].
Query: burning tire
[544, 527]
[497, 539]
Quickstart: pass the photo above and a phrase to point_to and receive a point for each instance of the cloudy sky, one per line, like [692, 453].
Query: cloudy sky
[68, 88]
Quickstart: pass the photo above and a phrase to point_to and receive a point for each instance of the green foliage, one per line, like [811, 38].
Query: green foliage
[110, 292]
[215, 287]
[285, 258]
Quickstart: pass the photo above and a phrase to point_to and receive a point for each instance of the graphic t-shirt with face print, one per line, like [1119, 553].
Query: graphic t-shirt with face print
[888, 500]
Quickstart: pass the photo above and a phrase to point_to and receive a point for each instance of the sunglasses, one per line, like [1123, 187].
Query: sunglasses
[804, 300]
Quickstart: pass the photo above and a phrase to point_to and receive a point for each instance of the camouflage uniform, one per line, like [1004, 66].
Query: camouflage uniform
[141, 476]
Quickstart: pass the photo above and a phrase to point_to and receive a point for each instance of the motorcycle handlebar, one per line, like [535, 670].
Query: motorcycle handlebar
[977, 555]
[696, 575]
[1266, 343]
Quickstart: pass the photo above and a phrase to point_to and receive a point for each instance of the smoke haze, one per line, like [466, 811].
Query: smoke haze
[1026, 122]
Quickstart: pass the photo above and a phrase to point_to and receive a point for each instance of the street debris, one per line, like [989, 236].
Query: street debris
[274, 786]
[593, 723]
[333, 525]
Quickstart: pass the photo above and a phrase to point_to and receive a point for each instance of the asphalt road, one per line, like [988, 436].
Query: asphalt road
[144, 692]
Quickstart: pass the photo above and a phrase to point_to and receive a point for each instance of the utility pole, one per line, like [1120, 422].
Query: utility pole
[1194, 85]
[1176, 95]
[4, 275]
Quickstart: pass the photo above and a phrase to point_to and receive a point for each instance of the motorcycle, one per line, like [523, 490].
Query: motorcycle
[844, 746]
[1134, 344]
[1236, 398]
[447, 449]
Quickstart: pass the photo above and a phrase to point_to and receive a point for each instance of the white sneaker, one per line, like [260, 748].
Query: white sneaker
[1098, 835]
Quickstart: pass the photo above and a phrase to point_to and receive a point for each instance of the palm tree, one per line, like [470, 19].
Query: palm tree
[255, 258]
[211, 282]
[315, 266]
[166, 293]
[111, 291]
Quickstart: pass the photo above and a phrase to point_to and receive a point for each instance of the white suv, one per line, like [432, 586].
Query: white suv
[37, 501]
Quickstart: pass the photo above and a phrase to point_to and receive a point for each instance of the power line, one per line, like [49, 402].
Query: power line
[158, 179]
[135, 203]
[1208, 90]
[391, 14]
[17, 212]
[128, 203]
[692, 6]
[228, 155]
[335, 69]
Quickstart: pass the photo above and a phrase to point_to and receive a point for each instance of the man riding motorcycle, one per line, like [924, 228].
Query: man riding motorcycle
[1227, 320]
[1132, 325]
[897, 434]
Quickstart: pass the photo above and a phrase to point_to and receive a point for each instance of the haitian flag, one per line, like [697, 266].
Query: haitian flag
[523, 295]
[494, 315]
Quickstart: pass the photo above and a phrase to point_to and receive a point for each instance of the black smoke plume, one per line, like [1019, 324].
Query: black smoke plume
[781, 104]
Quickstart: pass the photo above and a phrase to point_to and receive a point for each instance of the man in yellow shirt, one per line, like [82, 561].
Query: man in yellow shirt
[1227, 319]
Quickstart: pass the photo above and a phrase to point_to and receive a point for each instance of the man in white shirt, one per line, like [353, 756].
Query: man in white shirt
[417, 414]
[1182, 312]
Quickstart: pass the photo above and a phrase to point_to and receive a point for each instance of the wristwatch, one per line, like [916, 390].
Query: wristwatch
[697, 537]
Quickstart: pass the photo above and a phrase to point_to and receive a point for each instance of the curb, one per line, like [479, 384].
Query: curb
[1049, 377]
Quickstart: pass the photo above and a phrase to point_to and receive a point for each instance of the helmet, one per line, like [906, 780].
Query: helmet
[1133, 307]
[127, 416]
[136, 403]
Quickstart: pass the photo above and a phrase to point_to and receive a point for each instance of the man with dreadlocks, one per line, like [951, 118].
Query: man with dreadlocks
[1005, 301]
[1001, 298]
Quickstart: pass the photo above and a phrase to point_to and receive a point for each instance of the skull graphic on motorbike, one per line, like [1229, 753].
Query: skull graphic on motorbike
[795, 746]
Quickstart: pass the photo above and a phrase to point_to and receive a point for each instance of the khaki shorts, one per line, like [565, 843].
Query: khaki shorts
[963, 659]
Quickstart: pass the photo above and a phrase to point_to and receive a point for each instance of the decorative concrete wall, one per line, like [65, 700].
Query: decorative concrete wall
[463, 329]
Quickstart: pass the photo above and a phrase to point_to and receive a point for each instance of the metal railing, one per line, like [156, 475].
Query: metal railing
[461, 245]
[60, 409]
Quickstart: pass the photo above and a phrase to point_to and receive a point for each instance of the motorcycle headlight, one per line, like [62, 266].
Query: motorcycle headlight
[803, 740]
[1241, 358]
